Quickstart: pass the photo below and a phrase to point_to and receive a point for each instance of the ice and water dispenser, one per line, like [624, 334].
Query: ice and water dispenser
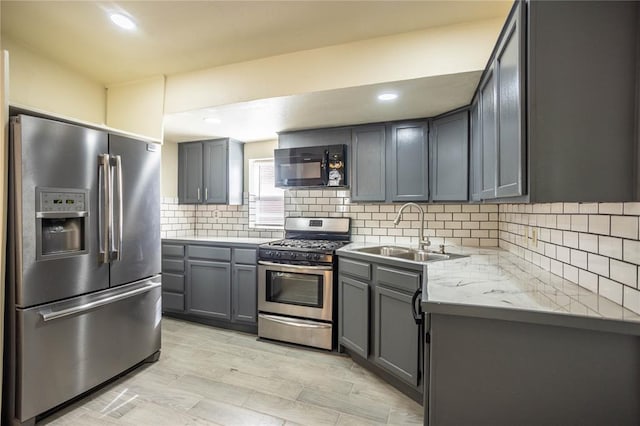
[62, 222]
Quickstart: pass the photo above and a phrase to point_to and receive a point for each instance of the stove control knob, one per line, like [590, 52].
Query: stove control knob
[316, 257]
[293, 255]
[278, 254]
[308, 256]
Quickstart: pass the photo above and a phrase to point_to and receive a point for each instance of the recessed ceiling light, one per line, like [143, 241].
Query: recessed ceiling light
[123, 21]
[387, 96]
[212, 120]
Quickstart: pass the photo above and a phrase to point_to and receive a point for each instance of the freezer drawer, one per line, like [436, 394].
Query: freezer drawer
[294, 330]
[66, 348]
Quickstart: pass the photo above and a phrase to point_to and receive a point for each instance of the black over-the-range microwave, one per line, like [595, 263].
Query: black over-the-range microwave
[310, 166]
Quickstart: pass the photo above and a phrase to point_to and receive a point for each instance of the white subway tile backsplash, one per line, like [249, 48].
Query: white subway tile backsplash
[623, 272]
[610, 289]
[624, 226]
[631, 251]
[592, 244]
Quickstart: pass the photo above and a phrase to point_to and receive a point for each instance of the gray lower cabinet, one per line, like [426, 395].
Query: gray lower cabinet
[173, 278]
[244, 296]
[209, 289]
[376, 323]
[212, 282]
[397, 335]
[353, 315]
[210, 172]
[449, 157]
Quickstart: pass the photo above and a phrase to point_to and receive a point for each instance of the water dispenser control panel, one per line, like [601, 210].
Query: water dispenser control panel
[62, 201]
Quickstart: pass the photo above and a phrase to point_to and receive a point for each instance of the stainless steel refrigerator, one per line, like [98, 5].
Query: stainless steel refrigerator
[83, 290]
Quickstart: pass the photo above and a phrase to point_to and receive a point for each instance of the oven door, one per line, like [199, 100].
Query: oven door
[296, 290]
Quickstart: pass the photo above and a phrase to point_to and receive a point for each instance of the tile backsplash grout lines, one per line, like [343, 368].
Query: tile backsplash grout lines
[595, 245]
[451, 224]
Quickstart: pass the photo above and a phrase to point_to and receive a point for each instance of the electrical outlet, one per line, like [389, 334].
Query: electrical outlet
[215, 214]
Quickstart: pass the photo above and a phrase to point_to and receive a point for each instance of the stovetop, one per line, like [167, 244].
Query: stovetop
[307, 245]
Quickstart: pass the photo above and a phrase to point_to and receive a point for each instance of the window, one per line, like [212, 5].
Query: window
[266, 202]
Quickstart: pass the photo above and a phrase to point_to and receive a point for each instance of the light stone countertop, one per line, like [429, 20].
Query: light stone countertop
[496, 279]
[221, 240]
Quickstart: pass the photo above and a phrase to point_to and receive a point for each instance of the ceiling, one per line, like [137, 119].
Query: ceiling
[182, 36]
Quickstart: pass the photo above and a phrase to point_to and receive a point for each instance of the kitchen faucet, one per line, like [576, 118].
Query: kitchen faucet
[422, 243]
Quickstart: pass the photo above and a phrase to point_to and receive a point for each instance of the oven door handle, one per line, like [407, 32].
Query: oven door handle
[294, 322]
[287, 265]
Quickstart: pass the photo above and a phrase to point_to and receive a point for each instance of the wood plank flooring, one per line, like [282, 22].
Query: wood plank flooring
[210, 376]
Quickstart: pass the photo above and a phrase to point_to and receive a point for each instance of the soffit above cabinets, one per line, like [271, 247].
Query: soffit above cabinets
[262, 119]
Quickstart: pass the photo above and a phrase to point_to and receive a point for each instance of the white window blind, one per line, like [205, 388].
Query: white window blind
[266, 202]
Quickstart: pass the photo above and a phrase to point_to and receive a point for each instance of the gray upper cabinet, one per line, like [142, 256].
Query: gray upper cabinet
[215, 174]
[368, 146]
[408, 165]
[488, 135]
[210, 172]
[510, 111]
[475, 163]
[189, 172]
[449, 157]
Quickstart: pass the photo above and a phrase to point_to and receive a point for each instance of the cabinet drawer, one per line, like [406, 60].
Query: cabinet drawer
[172, 265]
[355, 268]
[172, 250]
[247, 256]
[402, 280]
[173, 282]
[212, 253]
[172, 301]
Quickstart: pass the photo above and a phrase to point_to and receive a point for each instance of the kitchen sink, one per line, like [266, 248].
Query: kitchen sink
[386, 250]
[408, 254]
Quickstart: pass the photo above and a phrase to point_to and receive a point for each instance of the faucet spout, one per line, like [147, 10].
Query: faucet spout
[423, 242]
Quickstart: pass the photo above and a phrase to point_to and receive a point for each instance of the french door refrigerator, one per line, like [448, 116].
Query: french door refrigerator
[83, 289]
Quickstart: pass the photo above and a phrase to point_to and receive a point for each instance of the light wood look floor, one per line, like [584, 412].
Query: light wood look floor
[210, 376]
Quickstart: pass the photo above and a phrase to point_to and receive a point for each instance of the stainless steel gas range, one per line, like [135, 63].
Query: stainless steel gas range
[296, 282]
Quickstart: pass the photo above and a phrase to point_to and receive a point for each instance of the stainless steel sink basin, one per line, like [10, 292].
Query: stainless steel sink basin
[385, 250]
[408, 254]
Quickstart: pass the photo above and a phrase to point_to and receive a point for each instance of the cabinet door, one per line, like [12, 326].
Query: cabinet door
[368, 163]
[509, 90]
[245, 308]
[209, 289]
[396, 335]
[488, 135]
[353, 315]
[189, 172]
[449, 139]
[475, 161]
[215, 171]
[408, 174]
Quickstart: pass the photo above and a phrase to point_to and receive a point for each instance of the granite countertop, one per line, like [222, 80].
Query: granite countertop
[222, 240]
[494, 279]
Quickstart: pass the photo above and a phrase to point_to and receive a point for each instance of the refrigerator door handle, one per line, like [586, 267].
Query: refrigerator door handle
[104, 209]
[53, 315]
[120, 208]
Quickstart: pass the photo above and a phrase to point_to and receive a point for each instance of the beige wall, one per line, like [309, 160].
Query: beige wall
[38, 83]
[169, 184]
[137, 106]
[256, 150]
[437, 51]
